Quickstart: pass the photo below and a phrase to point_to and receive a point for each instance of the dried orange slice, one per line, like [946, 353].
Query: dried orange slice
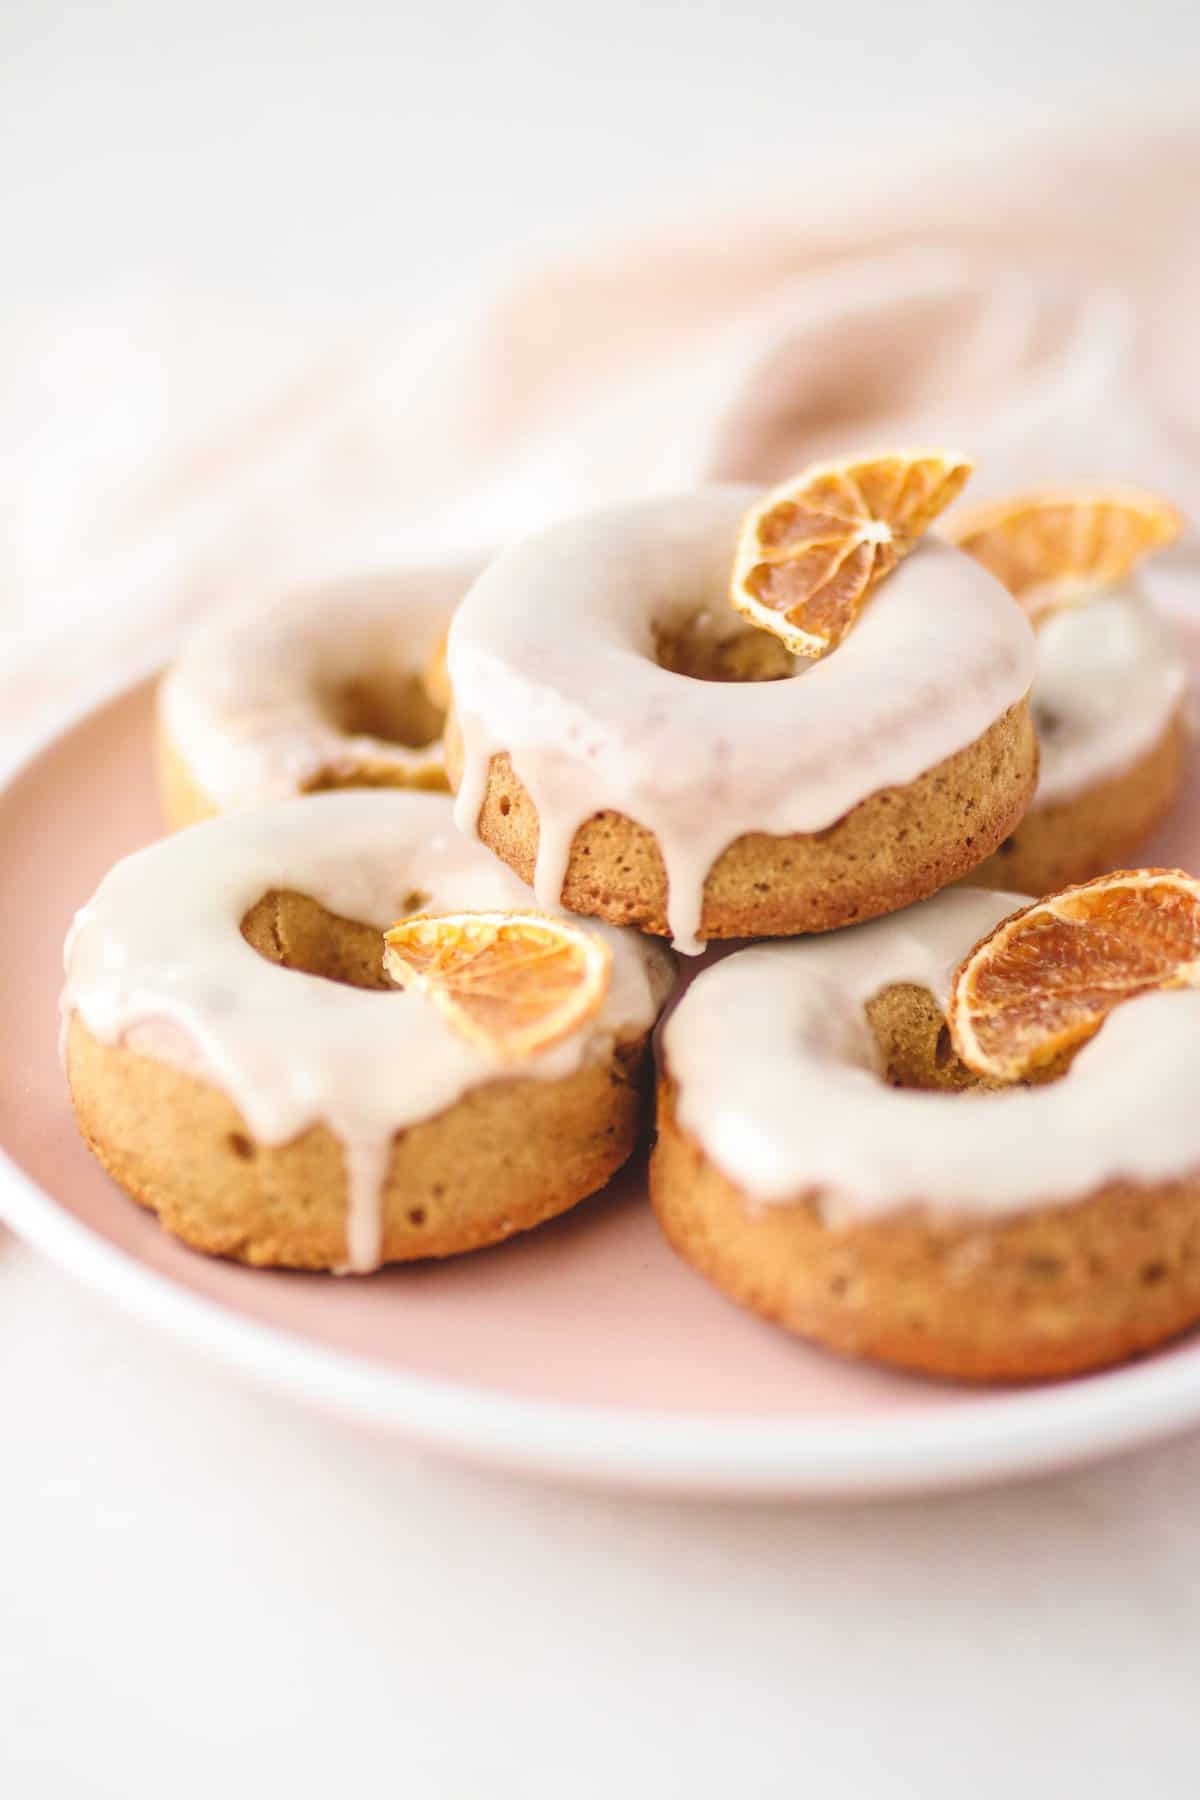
[1055, 547]
[513, 982]
[1046, 979]
[811, 552]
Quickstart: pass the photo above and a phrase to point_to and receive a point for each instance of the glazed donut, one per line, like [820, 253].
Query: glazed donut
[1109, 708]
[334, 686]
[268, 1115]
[820, 1161]
[588, 755]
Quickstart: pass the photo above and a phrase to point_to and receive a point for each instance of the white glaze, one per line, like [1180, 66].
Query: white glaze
[1109, 682]
[778, 1078]
[156, 960]
[552, 658]
[247, 704]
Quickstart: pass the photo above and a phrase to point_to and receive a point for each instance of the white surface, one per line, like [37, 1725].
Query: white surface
[202, 1588]
[203, 1591]
[372, 150]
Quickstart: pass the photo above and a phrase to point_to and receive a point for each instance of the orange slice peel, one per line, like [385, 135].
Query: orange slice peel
[813, 550]
[1044, 981]
[514, 983]
[1057, 547]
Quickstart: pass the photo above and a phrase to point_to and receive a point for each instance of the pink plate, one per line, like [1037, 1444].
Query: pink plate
[584, 1350]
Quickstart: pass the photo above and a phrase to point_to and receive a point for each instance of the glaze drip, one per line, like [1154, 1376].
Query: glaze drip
[552, 658]
[157, 961]
[778, 1079]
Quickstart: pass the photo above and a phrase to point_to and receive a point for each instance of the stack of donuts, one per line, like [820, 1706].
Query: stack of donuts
[389, 989]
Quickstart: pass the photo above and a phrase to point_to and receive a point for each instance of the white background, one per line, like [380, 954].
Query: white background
[205, 1591]
[354, 151]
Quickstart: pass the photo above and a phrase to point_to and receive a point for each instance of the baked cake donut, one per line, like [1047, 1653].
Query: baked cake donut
[1110, 711]
[336, 686]
[822, 1159]
[1110, 692]
[272, 1116]
[606, 742]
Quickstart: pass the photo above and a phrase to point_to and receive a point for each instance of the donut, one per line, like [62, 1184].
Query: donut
[825, 1159]
[237, 1068]
[1109, 707]
[330, 687]
[606, 742]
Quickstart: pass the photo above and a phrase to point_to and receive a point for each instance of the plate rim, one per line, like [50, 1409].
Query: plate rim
[993, 1436]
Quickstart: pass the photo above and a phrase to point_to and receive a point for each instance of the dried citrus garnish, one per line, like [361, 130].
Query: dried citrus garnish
[811, 552]
[514, 982]
[1055, 547]
[1046, 979]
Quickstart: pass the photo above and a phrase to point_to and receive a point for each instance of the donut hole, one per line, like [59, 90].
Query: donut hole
[1046, 722]
[393, 708]
[915, 1048]
[703, 648]
[913, 1041]
[297, 932]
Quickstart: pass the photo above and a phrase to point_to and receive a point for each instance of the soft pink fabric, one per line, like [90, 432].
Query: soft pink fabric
[1034, 307]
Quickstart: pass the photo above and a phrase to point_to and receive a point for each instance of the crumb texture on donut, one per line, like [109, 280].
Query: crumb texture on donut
[826, 1158]
[504, 1158]
[240, 1062]
[1099, 829]
[1049, 1292]
[895, 847]
[672, 779]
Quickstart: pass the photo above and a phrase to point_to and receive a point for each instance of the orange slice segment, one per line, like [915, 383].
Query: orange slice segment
[1046, 979]
[513, 982]
[810, 553]
[1055, 547]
